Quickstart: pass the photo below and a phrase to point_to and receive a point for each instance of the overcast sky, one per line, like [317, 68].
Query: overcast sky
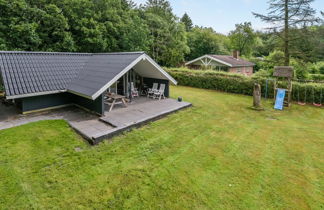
[222, 15]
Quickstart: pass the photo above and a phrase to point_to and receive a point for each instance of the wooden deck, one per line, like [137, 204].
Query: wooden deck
[93, 129]
[138, 113]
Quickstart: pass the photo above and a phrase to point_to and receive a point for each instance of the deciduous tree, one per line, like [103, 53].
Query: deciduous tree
[243, 38]
[203, 41]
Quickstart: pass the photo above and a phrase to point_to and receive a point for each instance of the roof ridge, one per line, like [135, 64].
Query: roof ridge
[45, 53]
[231, 56]
[69, 53]
[230, 59]
[221, 55]
[120, 53]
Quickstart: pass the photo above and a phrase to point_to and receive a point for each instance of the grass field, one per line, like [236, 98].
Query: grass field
[217, 155]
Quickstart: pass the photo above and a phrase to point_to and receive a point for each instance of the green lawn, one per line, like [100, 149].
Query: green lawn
[217, 155]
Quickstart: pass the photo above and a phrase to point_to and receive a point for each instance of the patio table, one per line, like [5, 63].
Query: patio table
[115, 98]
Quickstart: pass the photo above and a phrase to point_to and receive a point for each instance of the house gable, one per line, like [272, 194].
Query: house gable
[206, 61]
[223, 60]
[99, 74]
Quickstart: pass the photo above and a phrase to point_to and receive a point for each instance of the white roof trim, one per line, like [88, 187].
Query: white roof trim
[35, 94]
[161, 70]
[197, 59]
[208, 56]
[129, 67]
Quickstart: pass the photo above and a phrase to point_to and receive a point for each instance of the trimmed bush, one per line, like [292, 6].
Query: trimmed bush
[239, 84]
[316, 77]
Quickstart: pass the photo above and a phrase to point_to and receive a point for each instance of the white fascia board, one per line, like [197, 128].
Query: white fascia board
[197, 59]
[210, 57]
[220, 61]
[35, 94]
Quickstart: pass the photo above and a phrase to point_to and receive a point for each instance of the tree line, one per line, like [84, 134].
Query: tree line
[121, 25]
[93, 26]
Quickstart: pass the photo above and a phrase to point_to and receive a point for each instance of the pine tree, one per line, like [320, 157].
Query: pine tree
[286, 14]
[186, 20]
[169, 40]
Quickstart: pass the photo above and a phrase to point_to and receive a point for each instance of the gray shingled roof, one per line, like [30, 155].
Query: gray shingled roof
[99, 70]
[233, 61]
[27, 73]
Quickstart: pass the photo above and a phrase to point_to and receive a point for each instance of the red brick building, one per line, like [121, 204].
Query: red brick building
[233, 64]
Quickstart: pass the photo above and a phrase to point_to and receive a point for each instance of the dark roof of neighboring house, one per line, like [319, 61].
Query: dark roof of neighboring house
[233, 61]
[27, 73]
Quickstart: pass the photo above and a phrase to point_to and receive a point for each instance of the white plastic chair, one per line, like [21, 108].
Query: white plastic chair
[160, 93]
[134, 90]
[151, 91]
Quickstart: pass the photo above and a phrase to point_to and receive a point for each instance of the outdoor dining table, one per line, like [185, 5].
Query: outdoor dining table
[116, 99]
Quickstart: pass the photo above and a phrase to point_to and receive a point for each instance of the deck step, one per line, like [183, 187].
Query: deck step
[111, 122]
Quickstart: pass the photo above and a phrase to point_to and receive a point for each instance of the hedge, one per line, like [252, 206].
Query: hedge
[316, 77]
[240, 84]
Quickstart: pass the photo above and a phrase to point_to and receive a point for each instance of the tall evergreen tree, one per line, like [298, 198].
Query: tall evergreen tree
[169, 41]
[287, 14]
[186, 20]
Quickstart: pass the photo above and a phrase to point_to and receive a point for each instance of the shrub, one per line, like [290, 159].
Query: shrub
[258, 63]
[308, 92]
[205, 72]
[276, 58]
[262, 73]
[240, 84]
[301, 69]
[316, 77]
[318, 67]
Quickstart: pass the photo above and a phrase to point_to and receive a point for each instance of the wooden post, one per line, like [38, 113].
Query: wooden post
[289, 92]
[275, 90]
[257, 97]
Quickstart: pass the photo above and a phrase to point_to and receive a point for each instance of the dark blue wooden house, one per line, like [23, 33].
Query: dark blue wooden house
[46, 80]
